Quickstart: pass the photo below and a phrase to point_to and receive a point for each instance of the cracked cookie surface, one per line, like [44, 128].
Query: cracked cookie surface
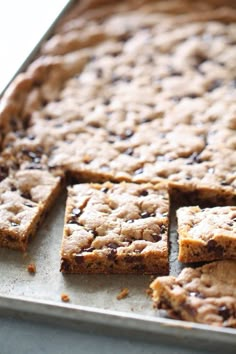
[206, 234]
[116, 228]
[205, 295]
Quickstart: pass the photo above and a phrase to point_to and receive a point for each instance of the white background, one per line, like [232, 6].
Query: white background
[22, 24]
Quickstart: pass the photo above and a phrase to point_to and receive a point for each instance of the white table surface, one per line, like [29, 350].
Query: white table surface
[22, 24]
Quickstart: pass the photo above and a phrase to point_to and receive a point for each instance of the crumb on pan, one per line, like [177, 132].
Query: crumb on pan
[31, 268]
[123, 294]
[65, 297]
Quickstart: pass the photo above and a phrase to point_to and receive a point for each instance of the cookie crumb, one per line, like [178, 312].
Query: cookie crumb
[123, 294]
[148, 292]
[31, 268]
[65, 297]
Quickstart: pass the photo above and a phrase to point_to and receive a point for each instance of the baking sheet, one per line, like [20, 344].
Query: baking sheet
[92, 297]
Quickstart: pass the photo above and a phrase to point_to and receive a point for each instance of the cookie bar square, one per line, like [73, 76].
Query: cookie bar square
[116, 228]
[205, 295]
[206, 234]
[24, 199]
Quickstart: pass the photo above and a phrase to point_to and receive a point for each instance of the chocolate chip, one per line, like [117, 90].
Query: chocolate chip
[90, 249]
[224, 312]
[176, 73]
[79, 259]
[156, 237]
[65, 265]
[11, 238]
[146, 120]
[129, 151]
[196, 294]
[104, 189]
[199, 59]
[143, 193]
[107, 101]
[33, 166]
[194, 158]
[28, 205]
[72, 221]
[214, 85]
[3, 172]
[230, 223]
[192, 95]
[13, 224]
[127, 134]
[191, 310]
[13, 122]
[94, 232]
[76, 212]
[130, 221]
[145, 214]
[138, 171]
[212, 246]
[224, 183]
[112, 254]
[20, 134]
[26, 195]
[112, 245]
[150, 59]
[99, 73]
[163, 229]
[31, 137]
[115, 78]
[13, 188]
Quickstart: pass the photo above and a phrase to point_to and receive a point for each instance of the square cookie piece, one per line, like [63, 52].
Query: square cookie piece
[25, 197]
[205, 295]
[116, 228]
[206, 234]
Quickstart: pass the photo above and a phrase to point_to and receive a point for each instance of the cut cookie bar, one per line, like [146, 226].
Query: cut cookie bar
[116, 228]
[206, 294]
[206, 234]
[24, 199]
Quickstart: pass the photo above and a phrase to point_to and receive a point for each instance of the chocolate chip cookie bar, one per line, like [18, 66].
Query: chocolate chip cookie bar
[25, 197]
[135, 91]
[205, 295]
[116, 228]
[206, 234]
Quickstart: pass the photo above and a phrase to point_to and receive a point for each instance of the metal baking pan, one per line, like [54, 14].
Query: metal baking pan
[93, 299]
